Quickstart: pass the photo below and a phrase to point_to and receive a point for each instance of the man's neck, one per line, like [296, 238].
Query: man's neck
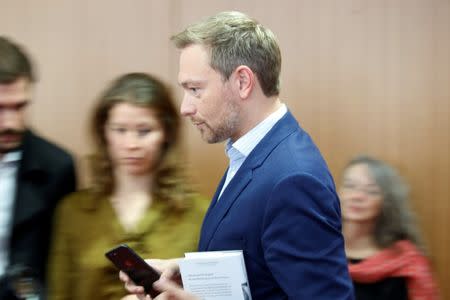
[253, 114]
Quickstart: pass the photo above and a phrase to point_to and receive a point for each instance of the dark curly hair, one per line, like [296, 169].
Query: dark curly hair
[396, 221]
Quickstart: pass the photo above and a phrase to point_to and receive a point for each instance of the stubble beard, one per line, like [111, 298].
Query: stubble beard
[11, 146]
[226, 127]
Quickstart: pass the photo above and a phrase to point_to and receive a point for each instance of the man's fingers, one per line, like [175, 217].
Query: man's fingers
[163, 285]
[130, 286]
[135, 297]
[133, 288]
[171, 290]
[123, 276]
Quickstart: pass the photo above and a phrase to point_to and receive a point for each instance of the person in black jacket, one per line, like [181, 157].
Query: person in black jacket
[34, 175]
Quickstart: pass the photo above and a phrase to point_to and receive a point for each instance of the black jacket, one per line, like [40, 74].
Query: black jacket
[46, 174]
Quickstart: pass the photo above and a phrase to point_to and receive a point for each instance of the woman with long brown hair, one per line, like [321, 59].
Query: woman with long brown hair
[387, 259]
[138, 196]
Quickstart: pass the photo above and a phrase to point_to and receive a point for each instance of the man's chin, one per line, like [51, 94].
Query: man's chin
[9, 148]
[213, 139]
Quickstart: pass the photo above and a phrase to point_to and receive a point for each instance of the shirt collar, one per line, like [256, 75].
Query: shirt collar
[248, 141]
[12, 157]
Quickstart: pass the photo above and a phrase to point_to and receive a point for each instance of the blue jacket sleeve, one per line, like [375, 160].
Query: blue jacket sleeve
[302, 240]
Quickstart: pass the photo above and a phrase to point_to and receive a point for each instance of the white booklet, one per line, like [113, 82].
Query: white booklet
[215, 275]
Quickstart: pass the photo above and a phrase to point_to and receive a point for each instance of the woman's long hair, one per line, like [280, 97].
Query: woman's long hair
[396, 221]
[146, 91]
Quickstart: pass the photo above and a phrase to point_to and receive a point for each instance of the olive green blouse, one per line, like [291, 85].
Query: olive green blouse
[86, 227]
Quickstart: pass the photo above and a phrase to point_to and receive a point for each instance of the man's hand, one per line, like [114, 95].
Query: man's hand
[131, 297]
[169, 270]
[171, 291]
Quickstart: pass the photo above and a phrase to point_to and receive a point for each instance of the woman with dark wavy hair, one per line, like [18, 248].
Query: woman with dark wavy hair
[138, 196]
[386, 255]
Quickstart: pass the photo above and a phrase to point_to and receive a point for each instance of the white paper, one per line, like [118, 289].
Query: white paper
[215, 275]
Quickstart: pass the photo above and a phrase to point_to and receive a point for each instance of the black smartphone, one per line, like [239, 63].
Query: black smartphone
[125, 259]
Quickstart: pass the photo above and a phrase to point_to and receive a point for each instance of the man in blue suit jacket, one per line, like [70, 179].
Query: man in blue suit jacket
[277, 201]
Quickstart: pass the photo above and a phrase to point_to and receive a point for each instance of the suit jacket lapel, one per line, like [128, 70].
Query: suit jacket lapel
[204, 229]
[218, 209]
[30, 172]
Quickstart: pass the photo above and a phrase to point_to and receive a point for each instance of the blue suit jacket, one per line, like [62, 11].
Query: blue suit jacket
[282, 210]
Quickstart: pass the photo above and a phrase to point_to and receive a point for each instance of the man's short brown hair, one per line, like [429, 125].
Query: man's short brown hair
[14, 62]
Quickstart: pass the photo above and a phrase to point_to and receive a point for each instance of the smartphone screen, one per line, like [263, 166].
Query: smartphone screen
[125, 259]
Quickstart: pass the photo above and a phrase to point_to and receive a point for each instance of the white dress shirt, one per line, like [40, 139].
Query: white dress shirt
[9, 165]
[239, 150]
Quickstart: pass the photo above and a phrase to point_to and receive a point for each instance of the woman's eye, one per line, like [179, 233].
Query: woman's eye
[145, 131]
[348, 186]
[119, 129]
[373, 192]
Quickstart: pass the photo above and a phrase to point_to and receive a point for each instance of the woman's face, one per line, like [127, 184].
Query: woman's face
[135, 138]
[361, 197]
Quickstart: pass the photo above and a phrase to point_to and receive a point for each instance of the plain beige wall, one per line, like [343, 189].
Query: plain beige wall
[362, 76]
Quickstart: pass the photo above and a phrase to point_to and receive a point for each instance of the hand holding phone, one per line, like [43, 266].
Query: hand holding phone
[125, 259]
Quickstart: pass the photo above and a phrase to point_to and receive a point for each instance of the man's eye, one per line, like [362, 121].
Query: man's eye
[21, 106]
[15, 107]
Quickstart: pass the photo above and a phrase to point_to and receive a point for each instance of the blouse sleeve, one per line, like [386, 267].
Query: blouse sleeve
[60, 264]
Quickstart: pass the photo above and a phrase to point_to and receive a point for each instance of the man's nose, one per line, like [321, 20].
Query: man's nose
[187, 107]
[9, 118]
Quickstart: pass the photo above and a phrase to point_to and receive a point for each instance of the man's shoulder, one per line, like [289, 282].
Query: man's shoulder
[297, 154]
[42, 148]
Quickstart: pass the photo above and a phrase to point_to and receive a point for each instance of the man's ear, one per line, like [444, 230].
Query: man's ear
[244, 78]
